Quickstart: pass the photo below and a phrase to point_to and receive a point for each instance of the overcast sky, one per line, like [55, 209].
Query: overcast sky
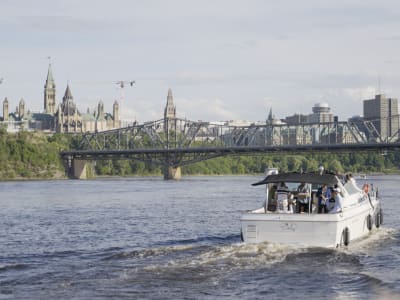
[223, 59]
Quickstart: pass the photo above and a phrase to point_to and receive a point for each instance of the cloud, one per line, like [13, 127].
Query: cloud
[224, 59]
[205, 109]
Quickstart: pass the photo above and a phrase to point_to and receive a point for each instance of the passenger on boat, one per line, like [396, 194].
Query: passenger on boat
[335, 203]
[323, 194]
[272, 198]
[302, 197]
[282, 198]
[283, 186]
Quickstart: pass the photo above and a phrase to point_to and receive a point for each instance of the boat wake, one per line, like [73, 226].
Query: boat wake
[373, 241]
[186, 264]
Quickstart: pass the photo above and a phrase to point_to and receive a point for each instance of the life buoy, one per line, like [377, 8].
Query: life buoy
[346, 236]
[366, 188]
[369, 222]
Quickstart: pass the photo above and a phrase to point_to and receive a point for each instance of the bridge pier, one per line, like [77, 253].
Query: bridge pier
[172, 173]
[79, 169]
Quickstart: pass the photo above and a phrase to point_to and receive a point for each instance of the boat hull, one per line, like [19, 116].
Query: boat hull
[309, 230]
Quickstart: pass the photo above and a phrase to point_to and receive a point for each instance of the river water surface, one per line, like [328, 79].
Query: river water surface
[141, 238]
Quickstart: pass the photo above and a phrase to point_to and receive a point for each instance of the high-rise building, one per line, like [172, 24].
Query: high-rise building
[321, 114]
[50, 93]
[383, 113]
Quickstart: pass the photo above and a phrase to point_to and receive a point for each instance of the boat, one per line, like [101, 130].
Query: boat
[296, 217]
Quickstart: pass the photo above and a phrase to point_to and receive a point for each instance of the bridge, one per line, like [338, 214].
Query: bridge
[173, 143]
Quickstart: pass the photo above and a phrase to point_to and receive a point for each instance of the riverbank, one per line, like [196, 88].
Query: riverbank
[35, 155]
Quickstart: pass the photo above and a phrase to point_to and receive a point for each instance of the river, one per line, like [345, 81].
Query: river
[141, 238]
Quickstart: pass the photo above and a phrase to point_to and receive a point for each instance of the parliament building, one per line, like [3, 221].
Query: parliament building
[64, 117]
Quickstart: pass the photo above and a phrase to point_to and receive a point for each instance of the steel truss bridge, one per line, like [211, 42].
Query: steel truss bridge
[178, 142]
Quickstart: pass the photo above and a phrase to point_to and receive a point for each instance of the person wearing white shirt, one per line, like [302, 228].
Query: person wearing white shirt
[336, 205]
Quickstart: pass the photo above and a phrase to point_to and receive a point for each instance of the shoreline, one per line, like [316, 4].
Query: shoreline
[59, 178]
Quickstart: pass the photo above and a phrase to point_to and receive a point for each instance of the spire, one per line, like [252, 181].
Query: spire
[270, 117]
[50, 79]
[170, 98]
[170, 109]
[68, 94]
[50, 93]
[68, 105]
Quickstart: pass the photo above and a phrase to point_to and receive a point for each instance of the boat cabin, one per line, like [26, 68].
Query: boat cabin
[306, 192]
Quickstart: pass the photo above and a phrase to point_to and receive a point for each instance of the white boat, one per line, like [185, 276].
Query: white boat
[280, 219]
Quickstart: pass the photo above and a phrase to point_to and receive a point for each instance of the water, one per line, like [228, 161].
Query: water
[149, 238]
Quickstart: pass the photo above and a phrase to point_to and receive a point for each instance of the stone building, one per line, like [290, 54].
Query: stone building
[170, 112]
[70, 120]
[50, 93]
[100, 120]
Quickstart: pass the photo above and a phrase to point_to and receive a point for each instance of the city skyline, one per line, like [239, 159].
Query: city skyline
[223, 60]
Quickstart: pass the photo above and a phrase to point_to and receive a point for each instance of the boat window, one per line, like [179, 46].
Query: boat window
[351, 188]
[292, 186]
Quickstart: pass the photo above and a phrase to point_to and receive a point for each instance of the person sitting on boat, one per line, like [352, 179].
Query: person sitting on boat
[272, 198]
[323, 194]
[282, 198]
[335, 203]
[283, 187]
[303, 197]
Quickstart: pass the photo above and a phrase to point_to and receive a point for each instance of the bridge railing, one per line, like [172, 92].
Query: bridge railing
[182, 133]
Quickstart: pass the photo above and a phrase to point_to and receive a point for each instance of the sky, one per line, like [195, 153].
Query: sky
[223, 59]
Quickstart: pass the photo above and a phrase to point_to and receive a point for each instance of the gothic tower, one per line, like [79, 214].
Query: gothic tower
[116, 114]
[68, 118]
[169, 113]
[50, 93]
[21, 108]
[100, 110]
[5, 110]
[170, 109]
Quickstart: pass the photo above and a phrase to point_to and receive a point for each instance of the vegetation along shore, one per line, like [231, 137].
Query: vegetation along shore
[35, 155]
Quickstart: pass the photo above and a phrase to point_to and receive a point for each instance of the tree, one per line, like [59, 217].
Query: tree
[335, 166]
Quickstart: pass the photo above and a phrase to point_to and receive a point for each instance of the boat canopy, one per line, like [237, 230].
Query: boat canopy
[328, 179]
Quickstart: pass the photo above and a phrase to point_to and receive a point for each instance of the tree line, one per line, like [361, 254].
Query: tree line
[35, 155]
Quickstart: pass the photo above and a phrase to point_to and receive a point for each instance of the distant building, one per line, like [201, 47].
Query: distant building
[62, 118]
[69, 119]
[296, 119]
[170, 112]
[50, 93]
[100, 120]
[321, 114]
[272, 120]
[383, 113]
[23, 119]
